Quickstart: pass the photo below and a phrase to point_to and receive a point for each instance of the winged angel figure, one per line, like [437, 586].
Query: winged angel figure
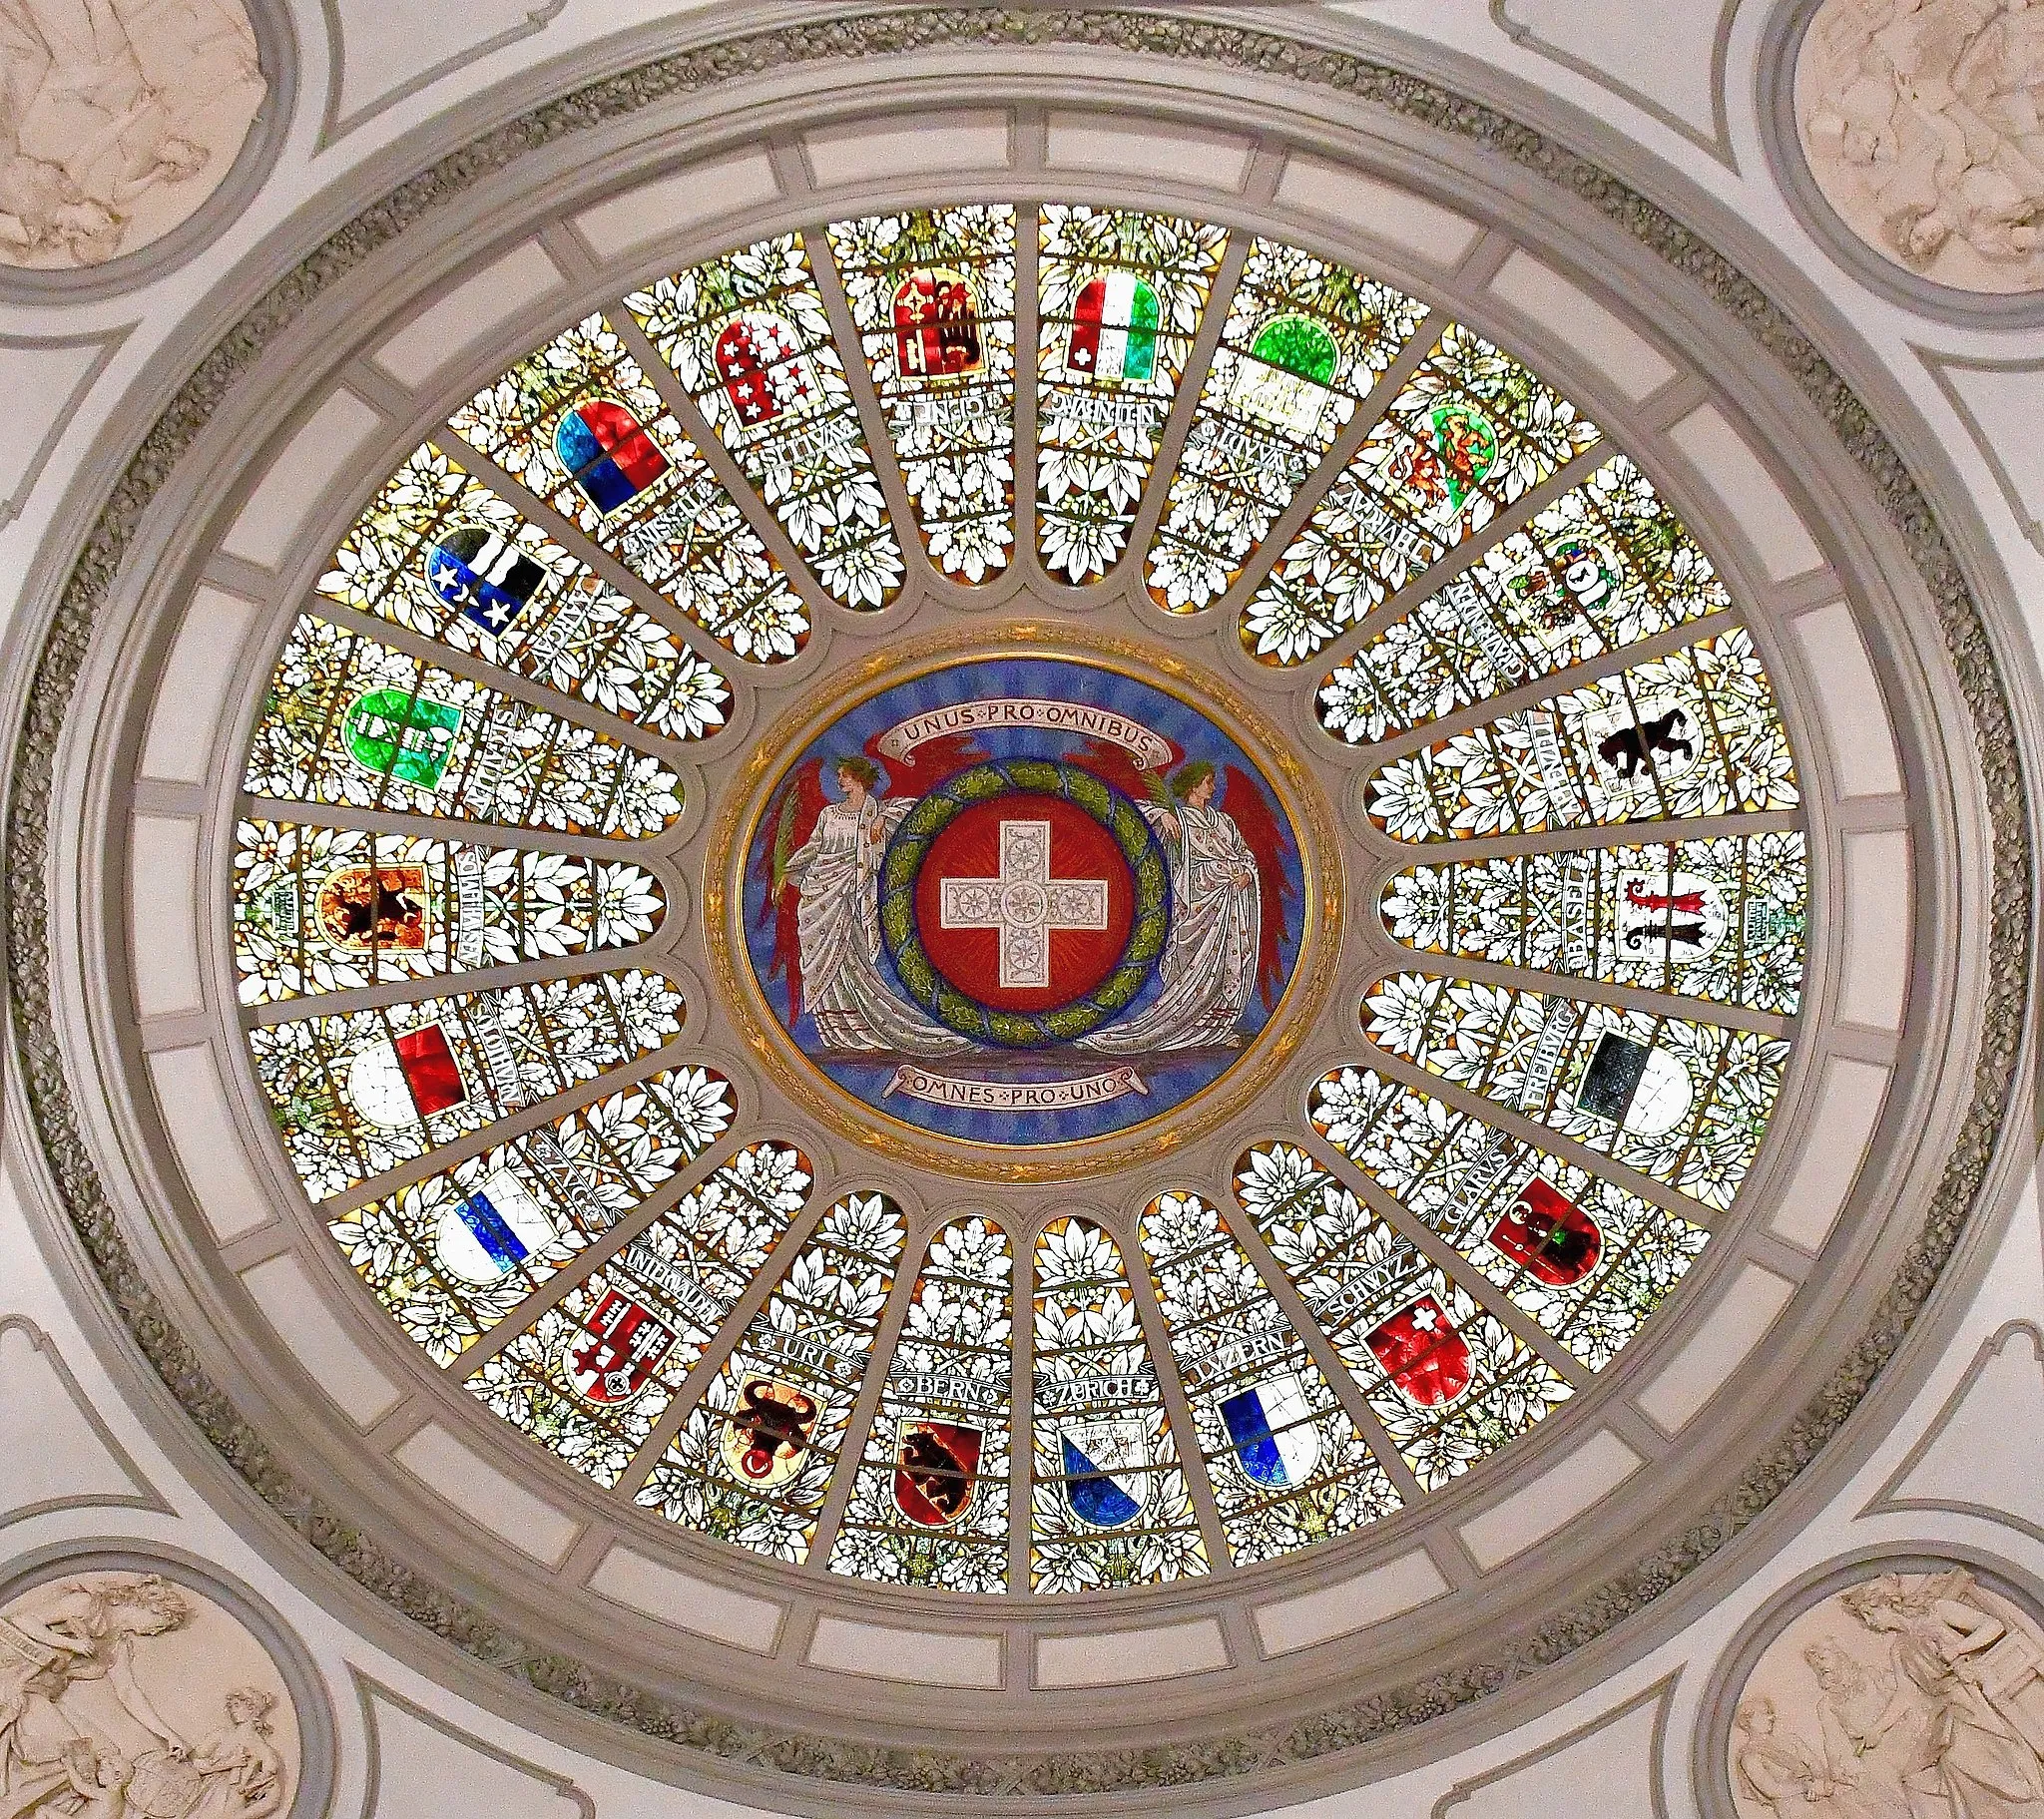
[821, 899]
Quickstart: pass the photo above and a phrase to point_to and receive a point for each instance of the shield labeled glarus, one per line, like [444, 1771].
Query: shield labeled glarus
[937, 1471]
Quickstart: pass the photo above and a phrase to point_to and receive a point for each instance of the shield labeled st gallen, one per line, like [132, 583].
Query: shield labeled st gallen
[1107, 1470]
[937, 1471]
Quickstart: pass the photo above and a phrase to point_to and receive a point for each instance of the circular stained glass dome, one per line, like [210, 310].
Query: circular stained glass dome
[1249, 1006]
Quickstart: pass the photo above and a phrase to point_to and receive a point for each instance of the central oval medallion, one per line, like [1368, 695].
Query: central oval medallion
[1021, 901]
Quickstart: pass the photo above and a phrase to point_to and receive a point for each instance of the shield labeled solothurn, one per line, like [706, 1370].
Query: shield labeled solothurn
[1107, 1470]
[937, 1471]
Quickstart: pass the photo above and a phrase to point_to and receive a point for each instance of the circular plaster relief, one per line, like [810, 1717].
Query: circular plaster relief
[121, 129]
[135, 1692]
[1919, 127]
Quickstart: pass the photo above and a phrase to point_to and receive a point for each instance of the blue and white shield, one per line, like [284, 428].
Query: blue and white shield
[1277, 1443]
[1106, 1465]
[488, 1231]
[489, 578]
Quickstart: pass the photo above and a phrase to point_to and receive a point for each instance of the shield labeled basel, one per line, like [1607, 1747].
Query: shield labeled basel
[1426, 1359]
[1271, 1427]
[937, 1471]
[1549, 1235]
[1676, 915]
[613, 1357]
[767, 1433]
[1106, 1462]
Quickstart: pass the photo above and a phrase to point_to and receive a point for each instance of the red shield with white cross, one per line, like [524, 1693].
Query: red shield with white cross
[1024, 903]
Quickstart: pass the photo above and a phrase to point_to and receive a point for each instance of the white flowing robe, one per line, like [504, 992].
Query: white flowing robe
[837, 872]
[1209, 967]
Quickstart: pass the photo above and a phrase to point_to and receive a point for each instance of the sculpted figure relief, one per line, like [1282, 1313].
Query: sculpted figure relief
[1904, 1696]
[123, 1696]
[1920, 122]
[118, 117]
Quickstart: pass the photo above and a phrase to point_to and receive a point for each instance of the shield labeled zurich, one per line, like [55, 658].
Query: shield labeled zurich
[612, 1359]
[767, 1433]
[1426, 1359]
[1271, 1427]
[1105, 1464]
[937, 1471]
[1544, 1230]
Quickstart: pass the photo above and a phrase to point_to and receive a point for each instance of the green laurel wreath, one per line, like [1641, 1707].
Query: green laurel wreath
[988, 784]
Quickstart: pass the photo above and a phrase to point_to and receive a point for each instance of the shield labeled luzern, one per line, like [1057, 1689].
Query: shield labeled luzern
[1107, 1475]
[1271, 1427]
[937, 1471]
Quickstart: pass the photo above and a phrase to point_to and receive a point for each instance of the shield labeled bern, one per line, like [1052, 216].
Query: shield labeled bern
[937, 1471]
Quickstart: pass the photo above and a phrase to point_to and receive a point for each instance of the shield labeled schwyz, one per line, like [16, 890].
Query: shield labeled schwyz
[937, 1471]
[1270, 1428]
[1426, 1359]
[1107, 1470]
[768, 1431]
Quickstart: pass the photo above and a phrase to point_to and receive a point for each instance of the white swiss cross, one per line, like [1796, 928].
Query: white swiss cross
[1024, 904]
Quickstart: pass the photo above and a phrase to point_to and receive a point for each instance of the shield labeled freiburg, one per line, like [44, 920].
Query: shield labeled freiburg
[1106, 1462]
[1270, 1426]
[1426, 1359]
[612, 1359]
[937, 1471]
[767, 1433]
[1546, 1232]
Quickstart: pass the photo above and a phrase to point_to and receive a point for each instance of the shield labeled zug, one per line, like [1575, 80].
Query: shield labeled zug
[937, 1471]
[1426, 1359]
[1271, 1427]
[1107, 1477]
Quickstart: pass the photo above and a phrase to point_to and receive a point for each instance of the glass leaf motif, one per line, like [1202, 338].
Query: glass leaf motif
[440, 553]
[348, 721]
[933, 294]
[930, 1505]
[1304, 341]
[1471, 433]
[1452, 1382]
[450, 1257]
[1601, 567]
[1120, 296]
[589, 1378]
[1109, 1504]
[329, 909]
[1584, 1257]
[363, 1092]
[1720, 919]
[579, 425]
[1287, 1465]
[754, 1461]
[1692, 733]
[1681, 1101]
[747, 338]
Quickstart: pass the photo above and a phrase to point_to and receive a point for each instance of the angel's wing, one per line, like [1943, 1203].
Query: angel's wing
[921, 771]
[1244, 802]
[794, 812]
[1116, 766]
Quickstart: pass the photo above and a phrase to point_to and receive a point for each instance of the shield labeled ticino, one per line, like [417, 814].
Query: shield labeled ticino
[1426, 1359]
[937, 1471]
[364, 907]
[1271, 1427]
[1546, 1232]
[1106, 1462]
[767, 1432]
[396, 1081]
[489, 578]
[613, 1357]
[1113, 329]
